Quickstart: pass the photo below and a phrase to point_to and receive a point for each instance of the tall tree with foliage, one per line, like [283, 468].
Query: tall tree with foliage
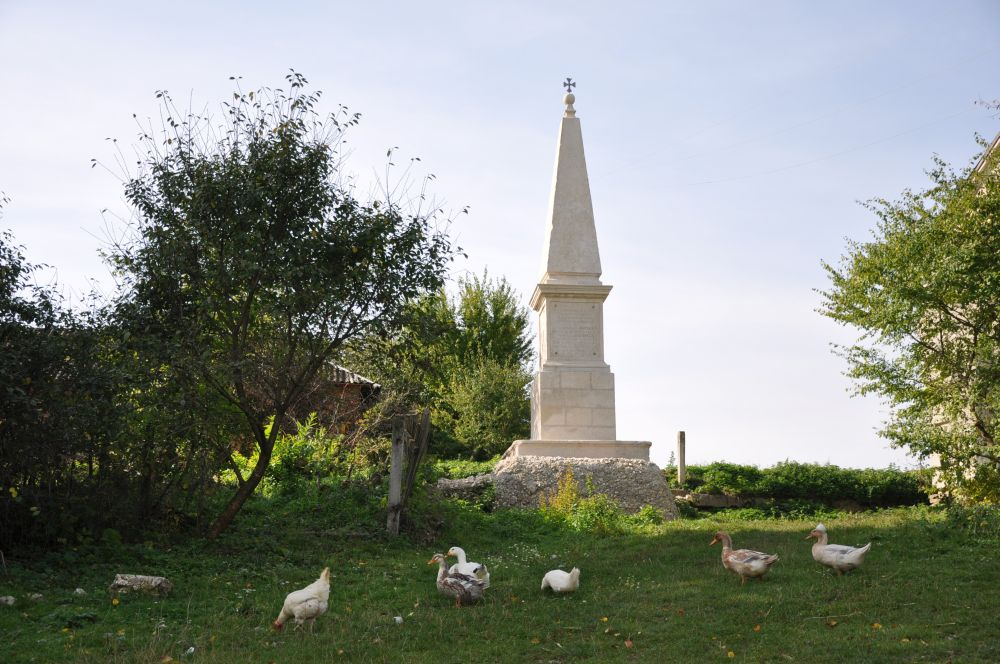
[253, 262]
[58, 412]
[925, 294]
[467, 356]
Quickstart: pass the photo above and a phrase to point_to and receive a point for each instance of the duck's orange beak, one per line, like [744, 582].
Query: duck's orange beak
[811, 535]
[431, 561]
[714, 540]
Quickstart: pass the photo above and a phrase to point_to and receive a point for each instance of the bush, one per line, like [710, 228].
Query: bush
[824, 484]
[982, 521]
[731, 479]
[598, 515]
[456, 469]
[565, 498]
[647, 516]
[489, 407]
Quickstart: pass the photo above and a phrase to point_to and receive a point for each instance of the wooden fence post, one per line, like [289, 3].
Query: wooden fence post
[410, 435]
[396, 461]
[681, 465]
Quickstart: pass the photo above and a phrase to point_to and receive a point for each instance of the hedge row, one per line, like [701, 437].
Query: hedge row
[806, 481]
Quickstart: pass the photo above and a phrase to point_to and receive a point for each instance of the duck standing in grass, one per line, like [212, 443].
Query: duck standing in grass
[838, 556]
[463, 566]
[744, 562]
[561, 582]
[464, 588]
[307, 604]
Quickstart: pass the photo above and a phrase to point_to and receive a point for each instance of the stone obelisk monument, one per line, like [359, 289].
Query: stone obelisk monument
[573, 393]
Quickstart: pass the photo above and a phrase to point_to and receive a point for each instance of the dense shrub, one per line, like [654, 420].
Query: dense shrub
[598, 514]
[816, 483]
[456, 469]
[982, 521]
[730, 479]
[595, 513]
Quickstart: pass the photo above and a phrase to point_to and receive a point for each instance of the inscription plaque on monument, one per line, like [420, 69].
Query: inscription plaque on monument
[579, 325]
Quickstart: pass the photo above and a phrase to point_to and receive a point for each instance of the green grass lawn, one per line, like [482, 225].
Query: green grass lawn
[657, 594]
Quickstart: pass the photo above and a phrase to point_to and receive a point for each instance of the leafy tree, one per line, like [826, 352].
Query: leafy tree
[57, 410]
[485, 407]
[467, 356]
[251, 261]
[925, 294]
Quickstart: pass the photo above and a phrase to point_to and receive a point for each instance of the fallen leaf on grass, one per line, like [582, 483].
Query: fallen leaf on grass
[604, 619]
[629, 644]
[756, 628]
[730, 654]
[876, 625]
[536, 640]
[904, 640]
[680, 612]
[165, 659]
[831, 623]
[115, 601]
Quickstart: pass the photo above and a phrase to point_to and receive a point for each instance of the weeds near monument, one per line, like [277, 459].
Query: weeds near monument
[565, 498]
[595, 512]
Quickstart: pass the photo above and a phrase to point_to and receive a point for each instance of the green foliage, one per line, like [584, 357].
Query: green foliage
[308, 452]
[60, 467]
[490, 406]
[467, 358]
[825, 484]
[457, 469]
[647, 516]
[924, 295]
[598, 514]
[595, 513]
[795, 509]
[982, 521]
[565, 498]
[730, 479]
[253, 263]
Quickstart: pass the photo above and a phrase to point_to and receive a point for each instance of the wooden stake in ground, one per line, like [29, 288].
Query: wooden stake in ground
[410, 434]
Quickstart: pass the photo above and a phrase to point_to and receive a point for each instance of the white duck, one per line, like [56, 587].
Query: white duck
[838, 556]
[478, 570]
[306, 604]
[465, 589]
[561, 582]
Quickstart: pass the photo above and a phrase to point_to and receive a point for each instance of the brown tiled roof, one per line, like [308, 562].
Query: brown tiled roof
[339, 374]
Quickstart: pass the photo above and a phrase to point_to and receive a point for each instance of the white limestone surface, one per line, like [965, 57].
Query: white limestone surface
[521, 481]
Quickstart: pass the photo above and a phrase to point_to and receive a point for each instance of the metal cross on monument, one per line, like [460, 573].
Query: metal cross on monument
[569, 84]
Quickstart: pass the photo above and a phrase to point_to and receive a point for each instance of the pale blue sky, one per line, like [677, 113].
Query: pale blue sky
[727, 145]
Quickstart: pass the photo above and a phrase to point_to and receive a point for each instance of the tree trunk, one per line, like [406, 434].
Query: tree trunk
[244, 491]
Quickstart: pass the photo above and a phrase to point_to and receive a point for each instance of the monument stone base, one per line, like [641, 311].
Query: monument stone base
[522, 481]
[593, 449]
